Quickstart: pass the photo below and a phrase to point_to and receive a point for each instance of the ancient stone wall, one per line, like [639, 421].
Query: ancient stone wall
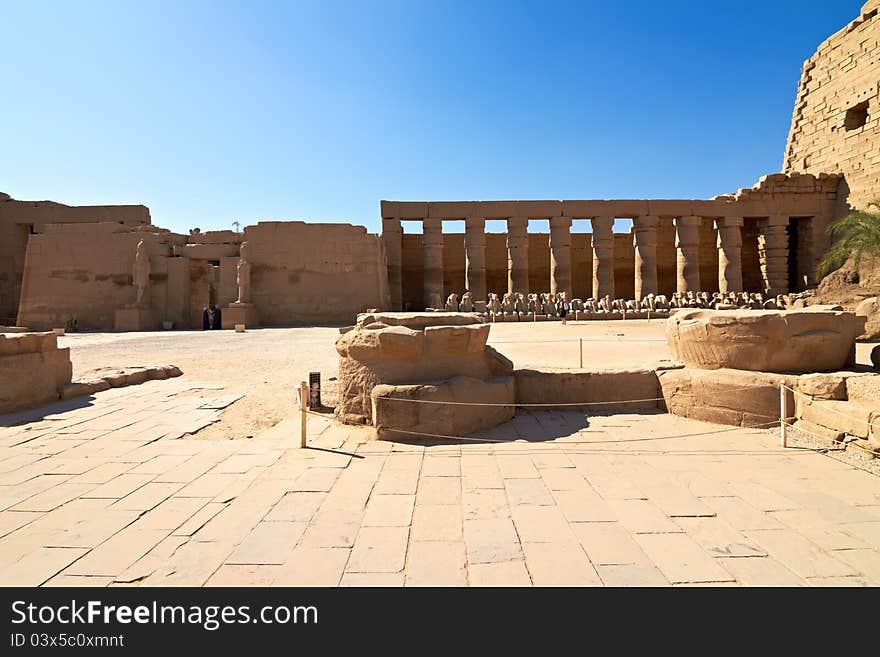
[20, 219]
[311, 273]
[84, 272]
[835, 127]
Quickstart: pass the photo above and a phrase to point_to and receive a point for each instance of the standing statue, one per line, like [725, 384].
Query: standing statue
[141, 273]
[243, 275]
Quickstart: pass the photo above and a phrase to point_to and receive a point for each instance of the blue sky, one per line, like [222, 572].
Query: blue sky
[211, 112]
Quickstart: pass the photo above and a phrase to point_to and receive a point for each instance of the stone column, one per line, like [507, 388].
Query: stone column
[392, 235]
[687, 244]
[560, 255]
[518, 254]
[773, 254]
[730, 241]
[603, 256]
[475, 257]
[432, 246]
[645, 243]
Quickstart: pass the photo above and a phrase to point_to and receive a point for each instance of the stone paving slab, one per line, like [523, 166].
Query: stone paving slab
[114, 493]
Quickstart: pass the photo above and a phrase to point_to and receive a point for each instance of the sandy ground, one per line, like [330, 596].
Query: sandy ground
[267, 365]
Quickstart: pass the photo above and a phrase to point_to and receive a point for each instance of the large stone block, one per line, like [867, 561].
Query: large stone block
[407, 411]
[870, 310]
[725, 396]
[765, 341]
[32, 370]
[419, 320]
[863, 388]
[599, 391]
[411, 349]
[849, 417]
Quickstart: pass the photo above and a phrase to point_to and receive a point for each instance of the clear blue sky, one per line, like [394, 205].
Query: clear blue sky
[209, 112]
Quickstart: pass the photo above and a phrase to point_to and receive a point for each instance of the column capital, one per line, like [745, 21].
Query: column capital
[518, 223]
[475, 224]
[432, 224]
[689, 220]
[646, 222]
[560, 222]
[729, 222]
[602, 224]
[773, 221]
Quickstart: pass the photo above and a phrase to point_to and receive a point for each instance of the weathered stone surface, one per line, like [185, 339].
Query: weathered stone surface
[411, 349]
[552, 387]
[724, 396]
[850, 417]
[823, 386]
[32, 369]
[81, 388]
[408, 410]
[870, 309]
[419, 320]
[103, 379]
[766, 341]
[863, 388]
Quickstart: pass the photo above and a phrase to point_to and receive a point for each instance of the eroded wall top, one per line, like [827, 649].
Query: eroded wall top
[835, 127]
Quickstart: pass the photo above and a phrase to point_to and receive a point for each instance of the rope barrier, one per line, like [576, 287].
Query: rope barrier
[620, 339]
[364, 397]
[515, 404]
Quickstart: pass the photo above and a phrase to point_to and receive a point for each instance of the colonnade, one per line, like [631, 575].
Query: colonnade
[772, 251]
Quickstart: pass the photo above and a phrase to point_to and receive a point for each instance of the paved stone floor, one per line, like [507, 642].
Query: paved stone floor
[111, 492]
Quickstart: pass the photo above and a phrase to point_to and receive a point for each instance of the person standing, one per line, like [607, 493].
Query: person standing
[562, 307]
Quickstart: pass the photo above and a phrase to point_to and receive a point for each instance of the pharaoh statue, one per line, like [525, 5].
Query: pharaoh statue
[141, 273]
[452, 303]
[467, 303]
[243, 275]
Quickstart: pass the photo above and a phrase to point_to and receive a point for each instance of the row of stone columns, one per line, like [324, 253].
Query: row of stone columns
[772, 249]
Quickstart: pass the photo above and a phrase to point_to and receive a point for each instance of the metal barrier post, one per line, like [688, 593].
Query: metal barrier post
[303, 408]
[581, 352]
[783, 416]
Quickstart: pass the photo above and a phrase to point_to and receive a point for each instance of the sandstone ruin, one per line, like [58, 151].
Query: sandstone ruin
[732, 272]
[422, 357]
[32, 370]
[795, 341]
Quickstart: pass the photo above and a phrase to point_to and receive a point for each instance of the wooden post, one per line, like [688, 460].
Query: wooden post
[783, 416]
[303, 408]
[581, 351]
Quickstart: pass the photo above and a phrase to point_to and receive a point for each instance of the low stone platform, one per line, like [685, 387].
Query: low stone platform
[32, 370]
